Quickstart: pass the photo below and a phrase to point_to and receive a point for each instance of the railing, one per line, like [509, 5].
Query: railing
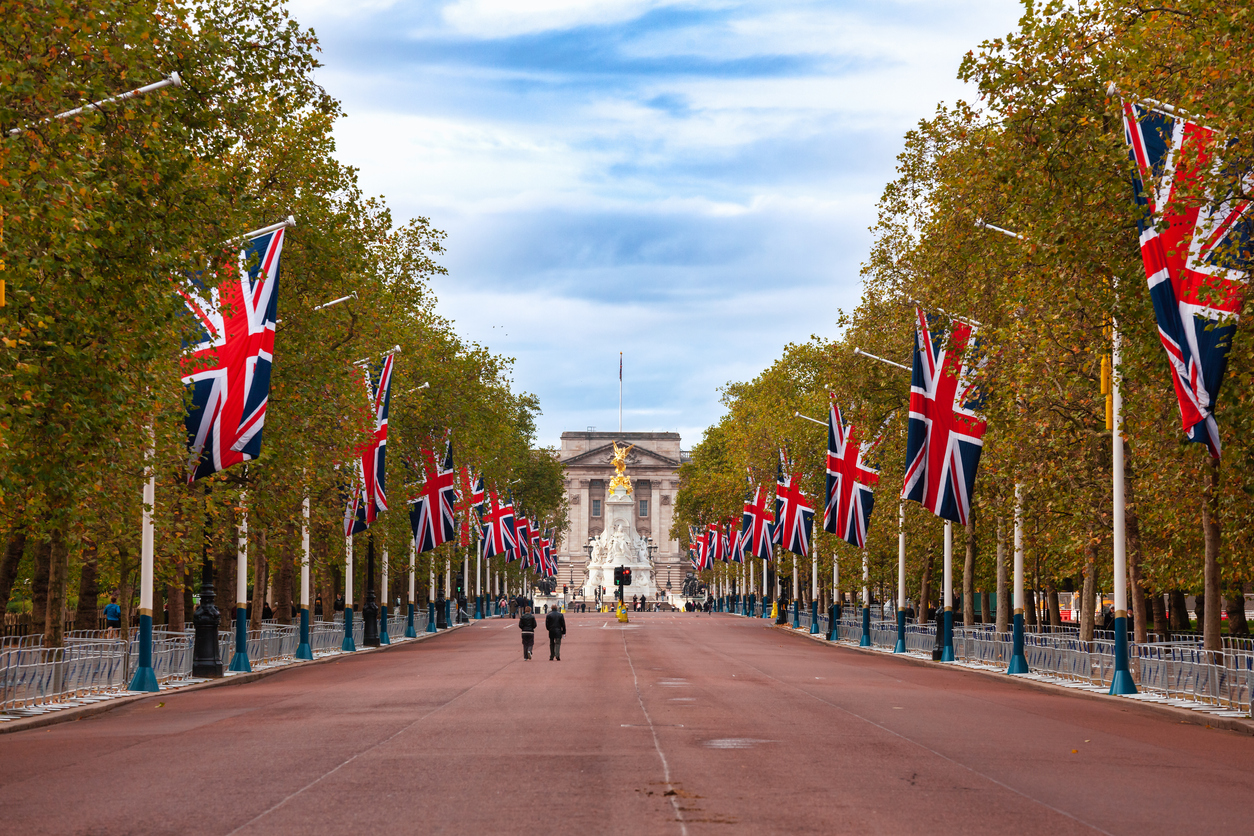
[96, 662]
[1178, 669]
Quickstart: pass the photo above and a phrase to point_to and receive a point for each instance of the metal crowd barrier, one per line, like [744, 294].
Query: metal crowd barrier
[1179, 669]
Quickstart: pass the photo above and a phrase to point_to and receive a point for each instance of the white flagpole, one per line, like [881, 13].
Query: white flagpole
[947, 653]
[304, 650]
[239, 661]
[172, 80]
[145, 678]
[620, 391]
[901, 578]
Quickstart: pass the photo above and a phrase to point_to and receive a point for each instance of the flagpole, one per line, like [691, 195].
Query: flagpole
[431, 595]
[865, 640]
[1018, 661]
[901, 578]
[1121, 681]
[947, 654]
[239, 662]
[410, 632]
[145, 678]
[384, 638]
[304, 651]
[349, 645]
[834, 615]
[620, 391]
[814, 590]
[479, 612]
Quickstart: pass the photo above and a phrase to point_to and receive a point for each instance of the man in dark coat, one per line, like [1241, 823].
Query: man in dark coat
[555, 623]
[527, 623]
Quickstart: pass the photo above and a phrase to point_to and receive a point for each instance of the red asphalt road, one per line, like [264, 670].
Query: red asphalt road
[671, 725]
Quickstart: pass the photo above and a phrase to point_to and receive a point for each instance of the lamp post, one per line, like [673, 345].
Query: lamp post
[410, 632]
[205, 662]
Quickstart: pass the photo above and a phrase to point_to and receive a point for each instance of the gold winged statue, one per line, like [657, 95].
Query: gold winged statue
[620, 466]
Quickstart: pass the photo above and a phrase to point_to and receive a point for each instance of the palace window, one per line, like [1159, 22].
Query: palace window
[644, 507]
[596, 507]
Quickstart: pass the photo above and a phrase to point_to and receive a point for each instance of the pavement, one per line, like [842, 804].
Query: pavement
[672, 724]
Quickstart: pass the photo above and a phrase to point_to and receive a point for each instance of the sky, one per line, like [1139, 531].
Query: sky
[689, 183]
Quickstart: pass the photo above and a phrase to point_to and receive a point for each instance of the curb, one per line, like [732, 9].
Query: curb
[84, 711]
[1183, 715]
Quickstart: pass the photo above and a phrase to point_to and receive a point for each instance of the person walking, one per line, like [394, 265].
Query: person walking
[555, 623]
[527, 623]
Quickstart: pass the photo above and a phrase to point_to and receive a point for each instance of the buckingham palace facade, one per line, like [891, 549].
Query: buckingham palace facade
[653, 465]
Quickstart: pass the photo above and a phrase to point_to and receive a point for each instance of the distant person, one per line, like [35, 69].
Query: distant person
[113, 614]
[266, 612]
[555, 623]
[527, 623]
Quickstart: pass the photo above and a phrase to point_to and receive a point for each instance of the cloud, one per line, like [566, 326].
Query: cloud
[688, 182]
[509, 18]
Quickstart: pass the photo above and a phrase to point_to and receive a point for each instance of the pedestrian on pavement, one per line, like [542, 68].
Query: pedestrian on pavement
[555, 623]
[527, 623]
[113, 614]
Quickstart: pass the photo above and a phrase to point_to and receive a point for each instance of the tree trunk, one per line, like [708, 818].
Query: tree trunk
[126, 588]
[986, 612]
[87, 613]
[1159, 613]
[261, 578]
[1235, 601]
[1051, 601]
[968, 577]
[1210, 530]
[58, 580]
[9, 563]
[925, 587]
[175, 615]
[283, 585]
[1088, 592]
[1003, 585]
[1178, 612]
[326, 578]
[225, 573]
[1132, 525]
[39, 588]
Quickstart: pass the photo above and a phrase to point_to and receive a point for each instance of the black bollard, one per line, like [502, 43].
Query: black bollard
[370, 611]
[205, 662]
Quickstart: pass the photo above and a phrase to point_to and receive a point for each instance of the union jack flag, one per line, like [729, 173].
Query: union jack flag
[1196, 251]
[498, 529]
[352, 494]
[794, 517]
[946, 432]
[228, 367]
[850, 479]
[372, 454]
[469, 501]
[755, 525]
[522, 540]
[735, 543]
[714, 536]
[431, 513]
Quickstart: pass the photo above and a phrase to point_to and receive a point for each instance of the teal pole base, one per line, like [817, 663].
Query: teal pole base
[796, 616]
[410, 632]
[349, 645]
[478, 608]
[384, 638]
[833, 623]
[431, 616]
[947, 655]
[145, 678]
[901, 632]
[448, 611]
[239, 662]
[865, 641]
[1121, 683]
[1018, 661]
[814, 617]
[304, 651]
